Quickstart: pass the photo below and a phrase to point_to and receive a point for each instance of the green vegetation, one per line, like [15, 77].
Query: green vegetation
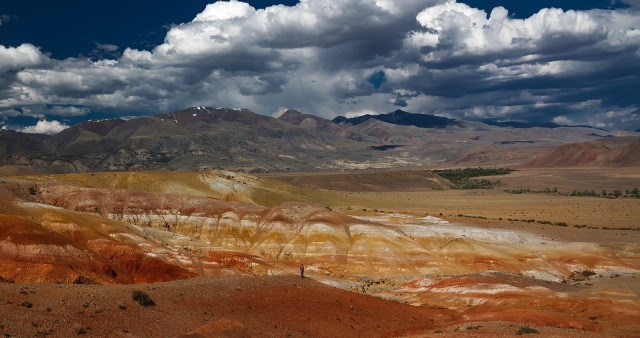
[634, 193]
[462, 177]
[627, 228]
[142, 298]
[526, 330]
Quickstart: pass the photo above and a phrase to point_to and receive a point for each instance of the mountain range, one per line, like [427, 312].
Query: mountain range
[202, 138]
[402, 118]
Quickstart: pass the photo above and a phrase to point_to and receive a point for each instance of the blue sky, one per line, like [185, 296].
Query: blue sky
[65, 61]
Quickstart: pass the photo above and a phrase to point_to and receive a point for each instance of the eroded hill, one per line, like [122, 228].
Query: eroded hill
[121, 228]
[609, 152]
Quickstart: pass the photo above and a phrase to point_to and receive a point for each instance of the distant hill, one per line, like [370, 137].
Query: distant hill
[403, 118]
[205, 138]
[523, 125]
[13, 142]
[515, 124]
[313, 122]
[196, 138]
[611, 151]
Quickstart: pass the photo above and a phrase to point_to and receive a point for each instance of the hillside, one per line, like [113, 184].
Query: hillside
[402, 118]
[610, 152]
[203, 138]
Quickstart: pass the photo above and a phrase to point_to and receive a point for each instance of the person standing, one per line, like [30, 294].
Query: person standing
[301, 270]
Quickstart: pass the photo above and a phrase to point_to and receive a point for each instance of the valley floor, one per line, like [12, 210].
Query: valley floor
[410, 258]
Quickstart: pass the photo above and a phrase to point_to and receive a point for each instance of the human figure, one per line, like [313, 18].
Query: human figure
[301, 270]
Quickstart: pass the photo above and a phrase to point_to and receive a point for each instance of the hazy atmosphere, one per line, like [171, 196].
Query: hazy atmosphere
[64, 62]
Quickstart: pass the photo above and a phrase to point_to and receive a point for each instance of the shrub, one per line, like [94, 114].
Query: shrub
[526, 330]
[142, 298]
[79, 329]
[588, 273]
[461, 178]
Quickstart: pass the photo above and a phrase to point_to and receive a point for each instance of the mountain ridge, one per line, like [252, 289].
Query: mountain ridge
[205, 138]
[615, 151]
[401, 117]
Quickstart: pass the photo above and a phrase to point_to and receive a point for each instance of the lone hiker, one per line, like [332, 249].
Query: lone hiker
[301, 270]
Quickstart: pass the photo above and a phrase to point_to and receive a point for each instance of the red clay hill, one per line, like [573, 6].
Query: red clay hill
[609, 152]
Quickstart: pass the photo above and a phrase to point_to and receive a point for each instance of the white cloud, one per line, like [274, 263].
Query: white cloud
[25, 55]
[438, 56]
[467, 30]
[562, 120]
[45, 127]
[106, 47]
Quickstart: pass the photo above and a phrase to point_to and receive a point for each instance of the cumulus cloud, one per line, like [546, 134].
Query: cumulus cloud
[45, 127]
[16, 58]
[347, 56]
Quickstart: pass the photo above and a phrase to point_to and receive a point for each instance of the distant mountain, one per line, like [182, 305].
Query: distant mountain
[524, 125]
[83, 138]
[610, 151]
[14, 142]
[403, 118]
[515, 124]
[190, 139]
[204, 138]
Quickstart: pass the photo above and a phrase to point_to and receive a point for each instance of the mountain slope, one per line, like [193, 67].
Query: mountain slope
[616, 151]
[14, 142]
[203, 138]
[403, 118]
[317, 123]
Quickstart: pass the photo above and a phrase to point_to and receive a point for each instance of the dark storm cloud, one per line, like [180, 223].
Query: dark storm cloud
[352, 57]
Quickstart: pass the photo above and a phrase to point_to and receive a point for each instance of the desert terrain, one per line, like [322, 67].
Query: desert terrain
[387, 253]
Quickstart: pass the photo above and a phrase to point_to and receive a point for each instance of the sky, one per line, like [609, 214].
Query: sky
[562, 61]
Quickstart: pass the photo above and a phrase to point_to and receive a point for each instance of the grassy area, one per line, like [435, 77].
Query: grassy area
[634, 193]
[462, 178]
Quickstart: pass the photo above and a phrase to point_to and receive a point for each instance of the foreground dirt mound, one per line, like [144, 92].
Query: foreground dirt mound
[58, 251]
[48, 244]
[228, 306]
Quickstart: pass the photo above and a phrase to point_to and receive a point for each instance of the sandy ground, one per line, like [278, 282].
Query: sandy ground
[230, 306]
[494, 207]
[280, 306]
[288, 306]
